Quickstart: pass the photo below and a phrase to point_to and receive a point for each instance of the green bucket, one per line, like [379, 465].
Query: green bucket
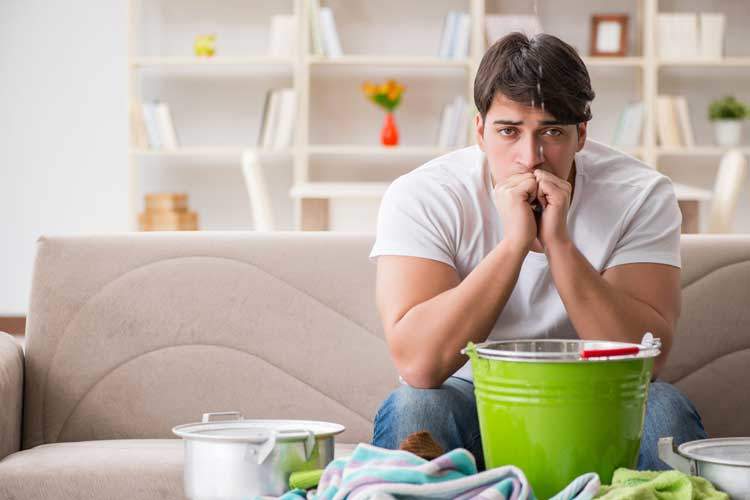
[547, 408]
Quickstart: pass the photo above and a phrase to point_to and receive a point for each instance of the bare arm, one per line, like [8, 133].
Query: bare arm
[429, 316]
[622, 303]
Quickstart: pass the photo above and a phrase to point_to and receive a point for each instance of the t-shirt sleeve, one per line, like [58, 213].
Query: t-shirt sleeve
[418, 217]
[652, 233]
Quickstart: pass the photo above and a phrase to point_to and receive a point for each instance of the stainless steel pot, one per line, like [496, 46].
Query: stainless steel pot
[236, 458]
[723, 461]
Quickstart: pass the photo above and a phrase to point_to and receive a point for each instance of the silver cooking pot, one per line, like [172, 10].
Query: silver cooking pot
[723, 461]
[236, 458]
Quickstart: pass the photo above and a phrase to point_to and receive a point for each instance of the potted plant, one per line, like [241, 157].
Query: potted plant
[388, 96]
[727, 114]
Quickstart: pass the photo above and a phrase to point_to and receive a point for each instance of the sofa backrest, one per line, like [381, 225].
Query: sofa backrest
[131, 334]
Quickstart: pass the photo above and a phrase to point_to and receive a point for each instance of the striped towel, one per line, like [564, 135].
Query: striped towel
[379, 474]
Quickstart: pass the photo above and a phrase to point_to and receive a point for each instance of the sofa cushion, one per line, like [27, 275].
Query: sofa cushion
[129, 469]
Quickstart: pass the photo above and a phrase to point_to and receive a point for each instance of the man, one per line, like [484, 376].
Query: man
[462, 257]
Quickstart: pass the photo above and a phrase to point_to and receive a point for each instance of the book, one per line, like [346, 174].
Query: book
[449, 28]
[712, 27]
[257, 191]
[499, 25]
[284, 133]
[677, 35]
[282, 38]
[446, 118]
[316, 36]
[138, 134]
[629, 126]
[683, 117]
[331, 43]
[264, 119]
[460, 49]
[152, 127]
[667, 128]
[167, 133]
[459, 128]
[271, 120]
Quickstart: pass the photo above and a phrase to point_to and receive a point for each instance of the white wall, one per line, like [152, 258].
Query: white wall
[63, 138]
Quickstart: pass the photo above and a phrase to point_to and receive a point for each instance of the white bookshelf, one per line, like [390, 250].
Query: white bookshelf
[310, 194]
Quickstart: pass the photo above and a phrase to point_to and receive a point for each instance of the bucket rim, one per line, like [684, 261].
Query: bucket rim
[491, 349]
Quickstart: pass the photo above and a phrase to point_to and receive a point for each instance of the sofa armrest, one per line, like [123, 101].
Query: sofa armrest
[11, 394]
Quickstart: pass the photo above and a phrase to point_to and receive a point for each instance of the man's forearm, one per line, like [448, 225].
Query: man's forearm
[434, 332]
[597, 309]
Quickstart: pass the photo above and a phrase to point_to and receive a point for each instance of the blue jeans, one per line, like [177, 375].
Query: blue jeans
[450, 415]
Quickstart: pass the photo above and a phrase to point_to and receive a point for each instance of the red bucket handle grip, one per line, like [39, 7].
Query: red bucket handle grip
[600, 353]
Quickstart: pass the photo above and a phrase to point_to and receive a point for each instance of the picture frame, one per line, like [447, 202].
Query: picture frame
[609, 35]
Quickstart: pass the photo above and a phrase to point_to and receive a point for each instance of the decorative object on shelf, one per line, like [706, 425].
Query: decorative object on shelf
[205, 45]
[454, 42]
[388, 96]
[609, 35]
[167, 212]
[727, 114]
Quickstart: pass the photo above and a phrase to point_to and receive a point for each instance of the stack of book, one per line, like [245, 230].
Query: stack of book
[673, 127]
[167, 212]
[152, 126]
[282, 38]
[497, 26]
[277, 121]
[454, 124]
[629, 126]
[454, 42]
[324, 37]
[682, 35]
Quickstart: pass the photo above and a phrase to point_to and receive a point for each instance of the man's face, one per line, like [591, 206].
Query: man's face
[519, 139]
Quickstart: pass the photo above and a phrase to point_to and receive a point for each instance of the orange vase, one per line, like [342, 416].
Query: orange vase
[389, 133]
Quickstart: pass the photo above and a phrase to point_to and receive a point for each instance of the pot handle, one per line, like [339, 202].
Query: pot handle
[670, 456]
[265, 448]
[309, 440]
[209, 417]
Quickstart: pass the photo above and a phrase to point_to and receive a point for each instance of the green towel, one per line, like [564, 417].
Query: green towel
[305, 480]
[659, 485]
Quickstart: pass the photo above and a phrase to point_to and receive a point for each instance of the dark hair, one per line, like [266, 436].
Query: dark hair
[533, 70]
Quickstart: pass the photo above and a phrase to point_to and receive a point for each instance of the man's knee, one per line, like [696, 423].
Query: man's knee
[669, 413]
[669, 410]
[408, 409]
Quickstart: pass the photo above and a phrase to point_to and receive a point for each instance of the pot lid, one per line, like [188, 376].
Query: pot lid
[727, 451]
[567, 350]
[258, 431]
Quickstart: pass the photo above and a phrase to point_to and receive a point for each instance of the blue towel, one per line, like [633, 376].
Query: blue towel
[379, 474]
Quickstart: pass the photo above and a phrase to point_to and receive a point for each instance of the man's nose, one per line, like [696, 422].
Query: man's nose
[530, 153]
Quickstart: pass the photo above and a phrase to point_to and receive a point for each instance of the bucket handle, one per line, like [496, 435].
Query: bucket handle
[671, 457]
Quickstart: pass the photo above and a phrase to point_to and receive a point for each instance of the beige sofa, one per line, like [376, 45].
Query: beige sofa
[129, 335]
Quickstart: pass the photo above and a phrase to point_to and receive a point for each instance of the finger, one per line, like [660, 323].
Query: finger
[515, 180]
[550, 177]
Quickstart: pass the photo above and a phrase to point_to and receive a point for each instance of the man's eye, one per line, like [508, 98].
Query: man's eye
[554, 132]
[506, 131]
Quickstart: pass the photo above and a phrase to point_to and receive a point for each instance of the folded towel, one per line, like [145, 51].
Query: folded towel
[659, 485]
[377, 473]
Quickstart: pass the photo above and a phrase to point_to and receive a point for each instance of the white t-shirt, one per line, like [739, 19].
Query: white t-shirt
[622, 212]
